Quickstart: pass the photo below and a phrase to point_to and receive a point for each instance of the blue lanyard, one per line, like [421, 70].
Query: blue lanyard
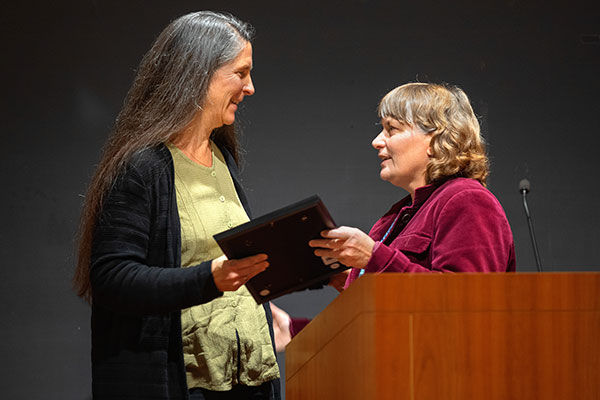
[362, 271]
[391, 227]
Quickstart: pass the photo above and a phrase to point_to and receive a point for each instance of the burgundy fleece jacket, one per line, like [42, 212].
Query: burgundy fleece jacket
[458, 226]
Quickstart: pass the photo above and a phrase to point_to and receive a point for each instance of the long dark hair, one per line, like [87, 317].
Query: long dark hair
[169, 88]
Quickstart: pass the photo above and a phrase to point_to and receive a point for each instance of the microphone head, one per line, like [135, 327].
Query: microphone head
[524, 186]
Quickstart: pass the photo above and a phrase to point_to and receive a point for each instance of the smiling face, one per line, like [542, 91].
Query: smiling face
[228, 87]
[403, 150]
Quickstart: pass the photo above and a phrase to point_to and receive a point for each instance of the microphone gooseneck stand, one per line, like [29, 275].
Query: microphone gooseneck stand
[524, 187]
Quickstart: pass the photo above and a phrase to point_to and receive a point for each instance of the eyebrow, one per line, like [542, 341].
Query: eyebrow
[387, 121]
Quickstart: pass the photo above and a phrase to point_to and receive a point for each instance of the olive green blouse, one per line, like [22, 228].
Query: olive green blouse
[226, 341]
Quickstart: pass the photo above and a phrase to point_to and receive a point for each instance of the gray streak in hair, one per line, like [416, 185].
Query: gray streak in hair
[168, 90]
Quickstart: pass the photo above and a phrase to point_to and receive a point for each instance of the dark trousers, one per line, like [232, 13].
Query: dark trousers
[238, 392]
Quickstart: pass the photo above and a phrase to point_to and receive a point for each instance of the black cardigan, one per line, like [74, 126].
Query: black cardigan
[138, 287]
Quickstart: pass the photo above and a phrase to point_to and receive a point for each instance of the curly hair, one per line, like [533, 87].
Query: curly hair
[445, 113]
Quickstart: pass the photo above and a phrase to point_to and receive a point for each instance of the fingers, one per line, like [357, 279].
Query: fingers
[326, 243]
[342, 232]
[320, 252]
[350, 246]
[327, 247]
[229, 275]
[279, 316]
[250, 272]
[248, 261]
[282, 336]
[334, 238]
[281, 327]
[247, 267]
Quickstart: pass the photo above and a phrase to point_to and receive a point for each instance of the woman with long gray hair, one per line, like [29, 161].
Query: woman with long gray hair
[171, 317]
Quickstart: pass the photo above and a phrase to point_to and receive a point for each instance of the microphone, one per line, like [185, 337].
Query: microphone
[524, 188]
[524, 185]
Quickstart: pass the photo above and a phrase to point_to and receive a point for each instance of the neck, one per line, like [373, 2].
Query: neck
[413, 186]
[194, 142]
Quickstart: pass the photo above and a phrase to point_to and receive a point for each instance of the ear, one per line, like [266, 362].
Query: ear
[429, 152]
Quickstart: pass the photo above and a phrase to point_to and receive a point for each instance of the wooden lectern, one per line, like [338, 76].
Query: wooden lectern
[453, 336]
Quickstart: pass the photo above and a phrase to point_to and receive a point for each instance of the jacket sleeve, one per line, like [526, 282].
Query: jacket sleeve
[120, 275]
[470, 234]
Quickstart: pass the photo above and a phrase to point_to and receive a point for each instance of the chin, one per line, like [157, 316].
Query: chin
[384, 176]
[229, 120]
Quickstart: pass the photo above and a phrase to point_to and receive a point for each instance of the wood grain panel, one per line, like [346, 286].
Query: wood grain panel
[351, 366]
[461, 336]
[507, 355]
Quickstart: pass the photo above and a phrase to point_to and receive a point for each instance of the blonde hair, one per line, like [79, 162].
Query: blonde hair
[445, 113]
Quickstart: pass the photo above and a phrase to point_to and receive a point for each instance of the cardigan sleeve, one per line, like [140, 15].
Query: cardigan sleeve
[470, 234]
[120, 274]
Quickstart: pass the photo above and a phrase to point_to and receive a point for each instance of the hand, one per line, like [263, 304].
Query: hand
[281, 327]
[338, 281]
[229, 275]
[350, 246]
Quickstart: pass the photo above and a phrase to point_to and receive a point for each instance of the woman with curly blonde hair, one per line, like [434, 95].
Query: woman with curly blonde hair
[430, 146]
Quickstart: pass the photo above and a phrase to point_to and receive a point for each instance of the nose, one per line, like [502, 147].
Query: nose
[249, 87]
[378, 142]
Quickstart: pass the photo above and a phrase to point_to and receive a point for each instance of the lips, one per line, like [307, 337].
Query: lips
[383, 159]
[233, 105]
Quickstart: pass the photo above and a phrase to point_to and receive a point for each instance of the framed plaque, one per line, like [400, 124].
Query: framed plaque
[283, 235]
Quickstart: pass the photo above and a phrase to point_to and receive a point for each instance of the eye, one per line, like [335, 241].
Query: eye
[395, 128]
[242, 73]
[390, 128]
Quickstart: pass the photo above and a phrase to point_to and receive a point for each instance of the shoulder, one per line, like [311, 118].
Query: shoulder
[148, 170]
[457, 185]
[462, 189]
[467, 195]
[150, 164]
[151, 157]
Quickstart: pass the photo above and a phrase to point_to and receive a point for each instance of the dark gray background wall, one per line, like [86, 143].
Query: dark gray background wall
[320, 69]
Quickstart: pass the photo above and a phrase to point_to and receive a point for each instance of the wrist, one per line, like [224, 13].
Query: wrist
[376, 245]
